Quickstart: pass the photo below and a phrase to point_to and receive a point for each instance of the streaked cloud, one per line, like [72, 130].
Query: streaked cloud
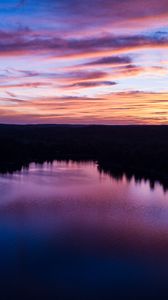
[110, 56]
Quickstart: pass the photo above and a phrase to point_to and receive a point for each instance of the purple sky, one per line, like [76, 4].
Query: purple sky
[74, 61]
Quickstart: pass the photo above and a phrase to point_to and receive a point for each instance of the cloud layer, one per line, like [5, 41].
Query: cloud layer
[84, 61]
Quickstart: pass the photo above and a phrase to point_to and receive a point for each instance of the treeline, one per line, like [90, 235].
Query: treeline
[138, 150]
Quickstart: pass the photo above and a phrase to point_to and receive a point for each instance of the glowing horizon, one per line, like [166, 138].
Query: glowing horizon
[72, 61]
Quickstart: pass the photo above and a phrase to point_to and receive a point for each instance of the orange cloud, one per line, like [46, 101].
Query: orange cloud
[124, 108]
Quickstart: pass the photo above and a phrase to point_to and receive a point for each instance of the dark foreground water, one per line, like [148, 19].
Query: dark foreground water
[69, 232]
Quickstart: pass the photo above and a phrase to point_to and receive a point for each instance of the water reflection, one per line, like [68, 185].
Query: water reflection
[76, 187]
[114, 171]
[66, 225]
[139, 175]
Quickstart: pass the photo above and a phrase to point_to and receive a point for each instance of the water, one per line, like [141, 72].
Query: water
[66, 229]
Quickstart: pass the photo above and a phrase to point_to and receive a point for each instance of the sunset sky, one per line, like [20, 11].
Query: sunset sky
[84, 61]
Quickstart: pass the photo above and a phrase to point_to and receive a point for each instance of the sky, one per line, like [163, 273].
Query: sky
[84, 61]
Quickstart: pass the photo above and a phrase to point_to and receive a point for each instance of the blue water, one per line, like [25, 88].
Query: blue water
[69, 232]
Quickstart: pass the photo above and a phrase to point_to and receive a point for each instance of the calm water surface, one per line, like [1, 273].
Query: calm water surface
[67, 229]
